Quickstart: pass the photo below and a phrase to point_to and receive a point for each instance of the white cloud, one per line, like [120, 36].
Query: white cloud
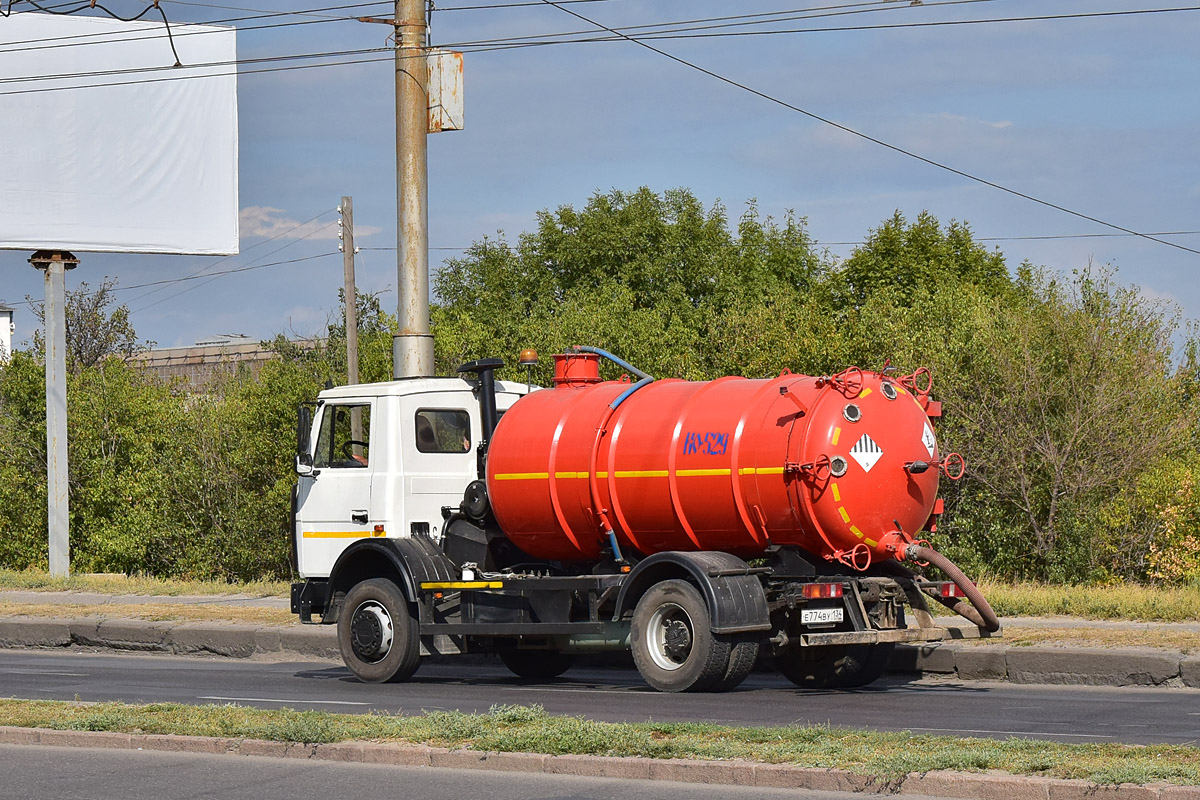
[271, 222]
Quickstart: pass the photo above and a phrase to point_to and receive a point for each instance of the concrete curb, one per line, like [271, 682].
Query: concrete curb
[967, 785]
[178, 638]
[1080, 666]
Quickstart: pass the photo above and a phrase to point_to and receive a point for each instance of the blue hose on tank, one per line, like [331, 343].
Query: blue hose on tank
[620, 362]
[645, 378]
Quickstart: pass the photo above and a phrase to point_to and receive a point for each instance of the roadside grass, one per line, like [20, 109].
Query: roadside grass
[530, 729]
[113, 583]
[1116, 601]
[154, 612]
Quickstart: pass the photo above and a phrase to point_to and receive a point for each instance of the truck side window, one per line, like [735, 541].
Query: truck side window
[443, 431]
[343, 439]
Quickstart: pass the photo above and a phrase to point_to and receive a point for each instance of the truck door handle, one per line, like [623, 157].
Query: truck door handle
[359, 516]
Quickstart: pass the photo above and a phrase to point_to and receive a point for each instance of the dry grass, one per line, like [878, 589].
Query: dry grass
[1016, 635]
[1122, 601]
[529, 729]
[108, 583]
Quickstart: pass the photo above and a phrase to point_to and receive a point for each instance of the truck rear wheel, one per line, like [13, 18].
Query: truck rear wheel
[673, 644]
[835, 666]
[535, 664]
[378, 633]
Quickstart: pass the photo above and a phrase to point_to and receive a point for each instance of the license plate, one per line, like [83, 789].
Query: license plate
[816, 616]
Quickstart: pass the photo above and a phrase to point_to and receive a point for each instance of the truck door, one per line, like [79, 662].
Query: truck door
[439, 451]
[334, 504]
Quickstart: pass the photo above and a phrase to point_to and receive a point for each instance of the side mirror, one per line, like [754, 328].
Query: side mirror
[304, 459]
[303, 428]
[304, 466]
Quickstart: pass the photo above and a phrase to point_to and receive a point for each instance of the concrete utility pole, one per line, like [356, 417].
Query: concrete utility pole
[55, 264]
[346, 234]
[412, 347]
[346, 209]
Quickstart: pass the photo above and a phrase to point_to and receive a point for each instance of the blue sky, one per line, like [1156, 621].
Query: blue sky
[1100, 115]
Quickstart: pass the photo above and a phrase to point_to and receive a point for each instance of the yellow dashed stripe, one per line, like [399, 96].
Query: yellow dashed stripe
[632, 473]
[854, 529]
[837, 433]
[837, 495]
[463, 585]
[864, 393]
[871, 543]
[842, 511]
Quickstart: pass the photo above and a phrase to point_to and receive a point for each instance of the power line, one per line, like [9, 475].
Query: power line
[104, 37]
[262, 13]
[205, 65]
[739, 20]
[281, 234]
[214, 276]
[122, 37]
[510, 5]
[973, 238]
[684, 29]
[900, 25]
[872, 139]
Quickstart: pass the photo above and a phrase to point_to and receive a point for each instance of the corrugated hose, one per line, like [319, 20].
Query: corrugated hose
[978, 611]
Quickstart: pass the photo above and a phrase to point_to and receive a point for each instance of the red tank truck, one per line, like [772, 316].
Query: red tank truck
[695, 523]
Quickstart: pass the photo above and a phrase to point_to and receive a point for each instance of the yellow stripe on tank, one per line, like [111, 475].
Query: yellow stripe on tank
[837, 495]
[842, 511]
[854, 529]
[521, 476]
[837, 433]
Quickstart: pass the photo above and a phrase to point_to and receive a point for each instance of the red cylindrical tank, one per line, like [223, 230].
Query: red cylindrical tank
[831, 465]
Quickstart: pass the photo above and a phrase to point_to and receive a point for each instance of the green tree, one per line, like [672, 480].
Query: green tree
[636, 271]
[95, 328]
[914, 260]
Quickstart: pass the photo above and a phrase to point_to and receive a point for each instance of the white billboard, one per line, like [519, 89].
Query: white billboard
[106, 145]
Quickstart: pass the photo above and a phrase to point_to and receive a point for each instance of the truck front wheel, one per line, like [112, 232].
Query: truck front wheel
[673, 644]
[378, 633]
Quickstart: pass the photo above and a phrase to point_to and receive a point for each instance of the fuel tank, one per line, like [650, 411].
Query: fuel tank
[844, 466]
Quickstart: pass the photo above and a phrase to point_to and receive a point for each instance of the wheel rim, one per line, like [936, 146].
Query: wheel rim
[669, 637]
[371, 632]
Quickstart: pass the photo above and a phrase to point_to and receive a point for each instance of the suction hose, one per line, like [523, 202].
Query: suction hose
[978, 611]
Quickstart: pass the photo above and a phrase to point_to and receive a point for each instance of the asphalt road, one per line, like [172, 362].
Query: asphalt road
[53, 773]
[1070, 714]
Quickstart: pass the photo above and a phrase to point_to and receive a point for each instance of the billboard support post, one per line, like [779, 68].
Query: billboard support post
[55, 263]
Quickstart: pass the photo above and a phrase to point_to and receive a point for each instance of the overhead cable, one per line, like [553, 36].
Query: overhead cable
[873, 139]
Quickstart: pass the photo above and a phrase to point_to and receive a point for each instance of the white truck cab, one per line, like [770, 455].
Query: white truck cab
[382, 460]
